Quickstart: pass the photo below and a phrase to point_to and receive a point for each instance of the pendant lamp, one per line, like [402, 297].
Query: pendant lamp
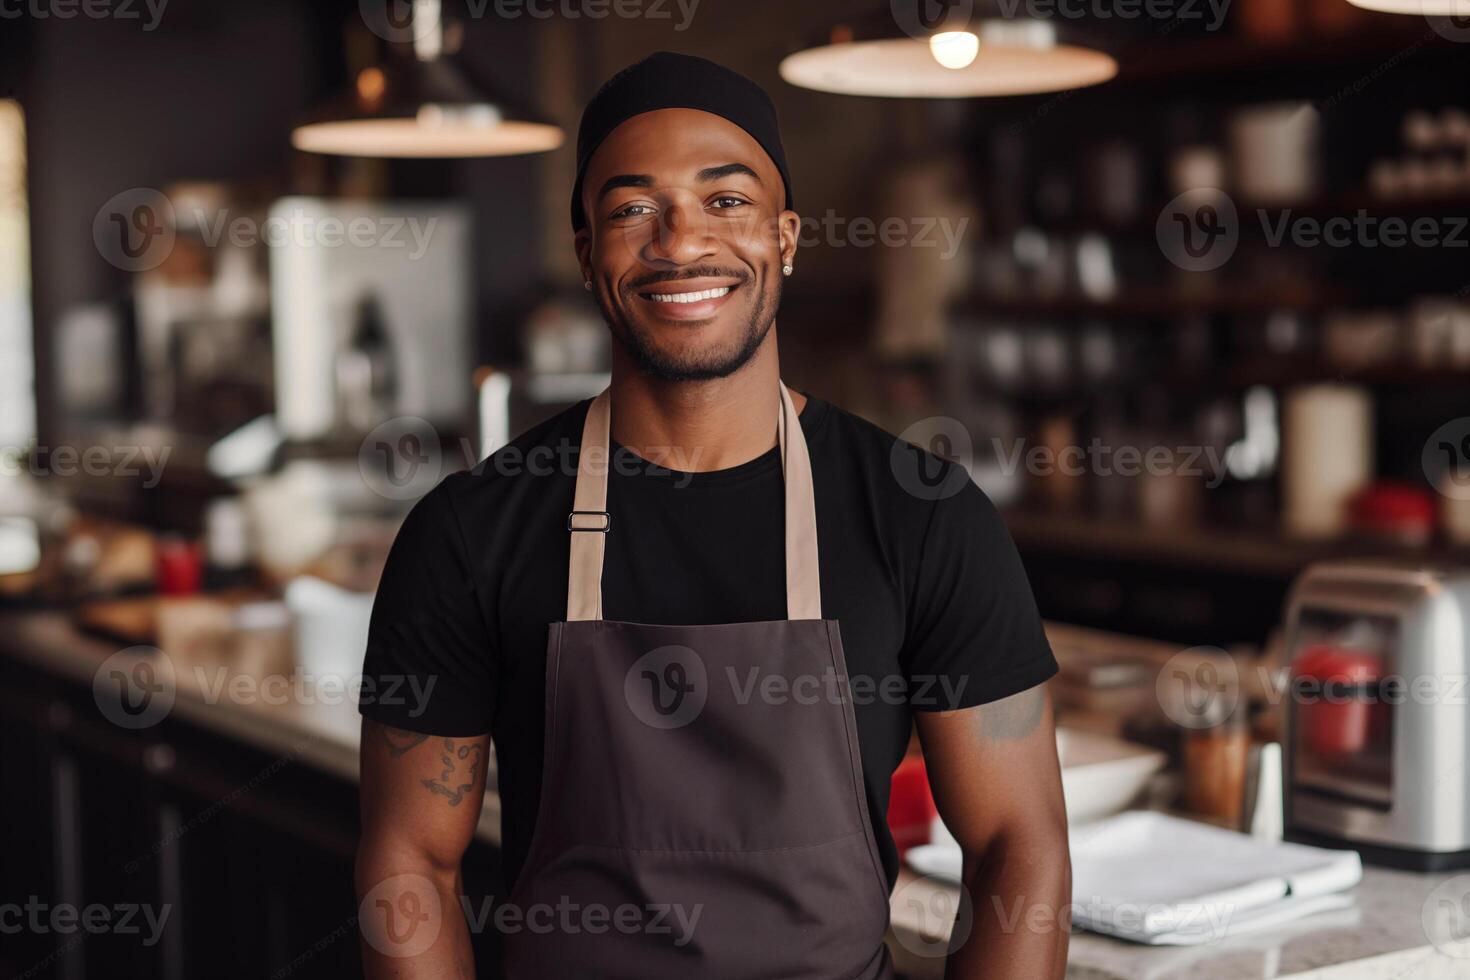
[418, 103]
[965, 54]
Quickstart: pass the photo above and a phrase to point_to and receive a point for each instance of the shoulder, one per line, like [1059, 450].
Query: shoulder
[901, 475]
[534, 470]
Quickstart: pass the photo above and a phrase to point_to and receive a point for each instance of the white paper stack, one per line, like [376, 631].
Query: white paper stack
[1151, 878]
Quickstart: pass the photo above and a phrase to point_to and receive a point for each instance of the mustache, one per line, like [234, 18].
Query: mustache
[693, 272]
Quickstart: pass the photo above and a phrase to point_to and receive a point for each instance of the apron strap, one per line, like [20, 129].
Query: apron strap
[589, 522]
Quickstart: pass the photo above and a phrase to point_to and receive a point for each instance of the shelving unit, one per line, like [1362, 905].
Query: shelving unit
[1224, 577]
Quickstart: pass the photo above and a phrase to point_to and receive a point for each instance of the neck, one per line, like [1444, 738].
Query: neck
[699, 426]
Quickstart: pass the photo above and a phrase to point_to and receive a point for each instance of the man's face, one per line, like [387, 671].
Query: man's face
[685, 240]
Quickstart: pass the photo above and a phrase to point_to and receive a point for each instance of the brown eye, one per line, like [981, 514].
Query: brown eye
[726, 203]
[633, 211]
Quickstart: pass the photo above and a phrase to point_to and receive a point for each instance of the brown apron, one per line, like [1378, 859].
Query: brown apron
[702, 811]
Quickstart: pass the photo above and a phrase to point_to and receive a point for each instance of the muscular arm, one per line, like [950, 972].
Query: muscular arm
[998, 786]
[421, 797]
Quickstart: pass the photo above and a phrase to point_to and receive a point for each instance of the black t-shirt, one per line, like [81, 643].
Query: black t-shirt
[933, 606]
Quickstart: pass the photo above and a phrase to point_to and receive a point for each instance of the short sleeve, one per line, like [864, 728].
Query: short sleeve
[428, 666]
[974, 634]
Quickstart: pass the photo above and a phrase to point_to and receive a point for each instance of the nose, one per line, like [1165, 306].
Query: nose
[681, 235]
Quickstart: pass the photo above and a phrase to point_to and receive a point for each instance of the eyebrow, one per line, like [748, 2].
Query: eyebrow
[727, 170]
[704, 176]
[623, 180]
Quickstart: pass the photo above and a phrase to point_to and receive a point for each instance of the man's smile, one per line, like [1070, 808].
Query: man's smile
[688, 299]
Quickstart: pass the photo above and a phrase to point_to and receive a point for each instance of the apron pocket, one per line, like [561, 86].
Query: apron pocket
[800, 913]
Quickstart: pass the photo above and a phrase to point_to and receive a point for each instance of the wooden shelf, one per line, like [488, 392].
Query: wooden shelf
[1346, 205]
[1265, 551]
[1181, 61]
[1280, 372]
[1160, 302]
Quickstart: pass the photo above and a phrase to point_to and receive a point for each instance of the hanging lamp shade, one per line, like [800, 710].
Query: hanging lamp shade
[971, 58]
[418, 103]
[1422, 8]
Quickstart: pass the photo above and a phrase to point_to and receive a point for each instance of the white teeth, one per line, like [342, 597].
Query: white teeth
[689, 297]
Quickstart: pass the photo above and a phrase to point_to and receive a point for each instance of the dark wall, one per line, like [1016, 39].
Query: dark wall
[210, 94]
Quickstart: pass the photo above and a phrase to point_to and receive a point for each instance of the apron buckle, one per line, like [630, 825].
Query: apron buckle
[606, 520]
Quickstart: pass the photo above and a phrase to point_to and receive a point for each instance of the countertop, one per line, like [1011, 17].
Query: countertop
[1381, 938]
[324, 733]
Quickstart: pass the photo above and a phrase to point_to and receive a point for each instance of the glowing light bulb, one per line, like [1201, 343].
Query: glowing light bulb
[954, 49]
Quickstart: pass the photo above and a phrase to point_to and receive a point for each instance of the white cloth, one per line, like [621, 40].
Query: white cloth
[1161, 880]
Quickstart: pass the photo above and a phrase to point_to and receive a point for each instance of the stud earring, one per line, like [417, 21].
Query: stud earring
[587, 285]
[787, 269]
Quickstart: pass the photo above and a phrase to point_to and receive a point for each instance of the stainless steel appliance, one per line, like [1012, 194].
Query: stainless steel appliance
[1378, 719]
[360, 288]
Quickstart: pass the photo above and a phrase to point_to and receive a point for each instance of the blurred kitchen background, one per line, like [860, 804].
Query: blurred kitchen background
[229, 364]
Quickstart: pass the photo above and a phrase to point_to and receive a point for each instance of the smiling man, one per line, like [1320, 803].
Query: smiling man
[699, 680]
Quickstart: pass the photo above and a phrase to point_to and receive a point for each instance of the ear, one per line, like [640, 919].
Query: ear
[582, 243]
[788, 230]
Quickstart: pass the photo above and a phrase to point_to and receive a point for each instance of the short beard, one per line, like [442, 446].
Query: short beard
[721, 364]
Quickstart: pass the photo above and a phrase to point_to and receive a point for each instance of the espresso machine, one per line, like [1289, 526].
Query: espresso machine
[1378, 712]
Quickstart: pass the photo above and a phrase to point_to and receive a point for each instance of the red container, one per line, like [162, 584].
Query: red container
[179, 566]
[1334, 721]
[911, 808]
